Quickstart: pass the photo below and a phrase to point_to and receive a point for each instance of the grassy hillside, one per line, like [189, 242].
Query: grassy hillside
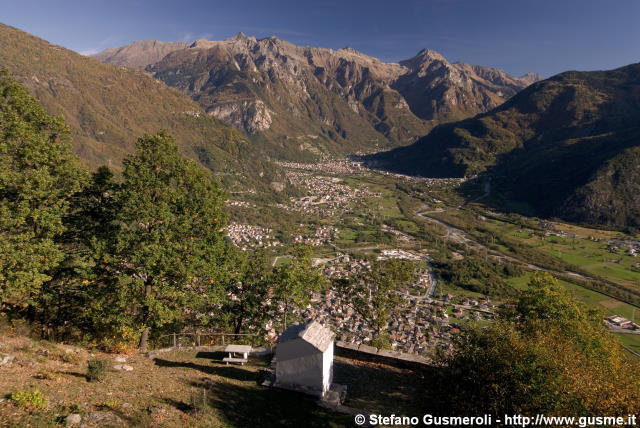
[178, 389]
[108, 107]
[566, 147]
[185, 388]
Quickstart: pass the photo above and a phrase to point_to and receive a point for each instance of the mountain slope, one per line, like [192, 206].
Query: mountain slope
[108, 107]
[567, 146]
[139, 54]
[289, 97]
[440, 91]
[298, 99]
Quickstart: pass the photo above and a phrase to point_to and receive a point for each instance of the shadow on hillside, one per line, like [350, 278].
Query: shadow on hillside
[180, 405]
[230, 372]
[74, 374]
[248, 404]
[381, 388]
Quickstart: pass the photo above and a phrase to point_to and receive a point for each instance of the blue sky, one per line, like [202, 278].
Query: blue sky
[542, 36]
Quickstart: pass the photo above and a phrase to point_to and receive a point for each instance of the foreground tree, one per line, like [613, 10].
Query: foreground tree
[247, 289]
[373, 293]
[294, 280]
[167, 254]
[38, 175]
[548, 355]
[67, 306]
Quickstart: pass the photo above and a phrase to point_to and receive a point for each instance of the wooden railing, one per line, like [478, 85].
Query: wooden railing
[210, 339]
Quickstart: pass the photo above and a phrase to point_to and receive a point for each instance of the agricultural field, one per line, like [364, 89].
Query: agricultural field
[607, 305]
[432, 216]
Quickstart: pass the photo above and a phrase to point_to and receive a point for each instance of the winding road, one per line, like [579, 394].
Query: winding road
[460, 236]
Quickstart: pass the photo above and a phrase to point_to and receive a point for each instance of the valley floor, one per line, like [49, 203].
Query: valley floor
[346, 209]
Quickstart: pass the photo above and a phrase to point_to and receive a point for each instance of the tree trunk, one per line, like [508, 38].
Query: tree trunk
[238, 325]
[239, 320]
[143, 340]
[144, 337]
[286, 311]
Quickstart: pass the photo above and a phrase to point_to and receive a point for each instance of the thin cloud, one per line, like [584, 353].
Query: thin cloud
[187, 38]
[88, 52]
[102, 45]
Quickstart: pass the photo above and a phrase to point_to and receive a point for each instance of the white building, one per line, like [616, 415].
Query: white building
[304, 358]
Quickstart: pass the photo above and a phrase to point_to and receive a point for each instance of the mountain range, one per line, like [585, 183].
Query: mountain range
[568, 146]
[300, 101]
[108, 107]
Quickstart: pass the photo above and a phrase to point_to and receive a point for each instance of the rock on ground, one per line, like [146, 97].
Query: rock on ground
[73, 419]
[6, 359]
[102, 418]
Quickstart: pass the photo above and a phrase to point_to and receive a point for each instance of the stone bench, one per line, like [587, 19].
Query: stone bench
[228, 360]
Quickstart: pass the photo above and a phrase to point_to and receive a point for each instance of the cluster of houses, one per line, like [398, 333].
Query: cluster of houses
[399, 254]
[418, 325]
[428, 182]
[630, 248]
[323, 235]
[344, 266]
[246, 237]
[328, 167]
[326, 195]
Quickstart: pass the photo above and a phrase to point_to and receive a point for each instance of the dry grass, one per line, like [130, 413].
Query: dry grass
[159, 393]
[610, 304]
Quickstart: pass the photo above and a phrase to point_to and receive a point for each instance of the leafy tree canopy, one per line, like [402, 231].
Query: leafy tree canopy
[293, 281]
[548, 355]
[167, 254]
[38, 175]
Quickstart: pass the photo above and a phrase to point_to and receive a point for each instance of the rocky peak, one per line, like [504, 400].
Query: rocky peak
[424, 57]
[343, 94]
[530, 78]
[202, 44]
[239, 36]
[351, 50]
[140, 53]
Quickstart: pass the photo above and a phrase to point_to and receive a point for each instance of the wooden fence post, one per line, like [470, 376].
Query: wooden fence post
[198, 338]
[222, 339]
[175, 341]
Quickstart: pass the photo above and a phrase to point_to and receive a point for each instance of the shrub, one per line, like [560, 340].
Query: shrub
[45, 375]
[110, 404]
[97, 370]
[30, 400]
[66, 357]
[381, 341]
[199, 401]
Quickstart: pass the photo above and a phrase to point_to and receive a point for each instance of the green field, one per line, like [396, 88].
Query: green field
[397, 200]
[593, 299]
[630, 340]
[594, 257]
